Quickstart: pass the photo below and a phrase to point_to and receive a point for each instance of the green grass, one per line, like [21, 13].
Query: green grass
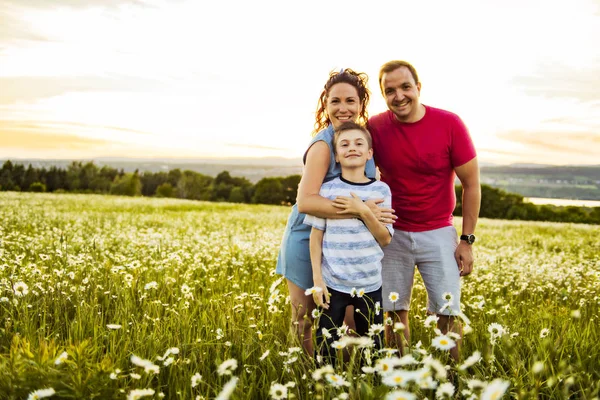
[89, 261]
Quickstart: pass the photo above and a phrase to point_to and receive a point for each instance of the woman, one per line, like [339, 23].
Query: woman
[344, 98]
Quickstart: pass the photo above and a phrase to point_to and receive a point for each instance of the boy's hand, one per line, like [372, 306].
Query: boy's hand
[321, 297]
[350, 205]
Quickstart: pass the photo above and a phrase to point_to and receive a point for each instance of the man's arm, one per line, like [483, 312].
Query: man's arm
[468, 174]
[316, 254]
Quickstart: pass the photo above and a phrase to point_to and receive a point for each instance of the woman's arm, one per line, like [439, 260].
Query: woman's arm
[315, 169]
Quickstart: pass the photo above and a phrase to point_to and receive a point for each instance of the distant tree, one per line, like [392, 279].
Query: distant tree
[37, 187]
[268, 191]
[31, 176]
[127, 185]
[237, 195]
[290, 188]
[165, 190]
[194, 186]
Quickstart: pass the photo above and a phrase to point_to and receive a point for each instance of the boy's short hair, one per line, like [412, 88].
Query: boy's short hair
[351, 126]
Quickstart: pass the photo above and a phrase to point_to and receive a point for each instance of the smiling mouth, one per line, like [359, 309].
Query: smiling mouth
[402, 103]
[345, 118]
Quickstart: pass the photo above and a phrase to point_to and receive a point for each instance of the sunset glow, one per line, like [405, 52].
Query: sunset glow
[129, 78]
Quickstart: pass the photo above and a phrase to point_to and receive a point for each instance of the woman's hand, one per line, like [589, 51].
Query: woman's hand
[353, 205]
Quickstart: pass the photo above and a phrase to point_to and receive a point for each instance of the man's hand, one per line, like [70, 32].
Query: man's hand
[464, 258]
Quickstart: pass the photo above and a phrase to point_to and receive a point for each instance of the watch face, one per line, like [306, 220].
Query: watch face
[468, 238]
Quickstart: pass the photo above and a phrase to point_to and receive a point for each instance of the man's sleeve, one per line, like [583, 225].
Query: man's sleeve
[462, 149]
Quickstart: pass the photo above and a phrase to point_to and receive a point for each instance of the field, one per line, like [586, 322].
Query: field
[111, 297]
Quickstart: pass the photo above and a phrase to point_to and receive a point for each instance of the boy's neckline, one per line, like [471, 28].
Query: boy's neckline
[370, 180]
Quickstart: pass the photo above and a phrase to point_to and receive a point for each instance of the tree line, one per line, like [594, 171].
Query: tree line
[87, 177]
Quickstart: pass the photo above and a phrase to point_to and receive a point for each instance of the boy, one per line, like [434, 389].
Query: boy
[346, 253]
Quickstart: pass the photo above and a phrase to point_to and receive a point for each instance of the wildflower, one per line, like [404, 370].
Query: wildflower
[264, 355]
[495, 390]
[360, 292]
[407, 360]
[317, 375]
[537, 367]
[278, 391]
[325, 332]
[150, 285]
[61, 358]
[377, 308]
[470, 361]
[467, 329]
[312, 290]
[375, 329]
[496, 329]
[544, 332]
[196, 378]
[342, 330]
[443, 342]
[385, 365]
[227, 367]
[185, 289]
[138, 393]
[398, 378]
[148, 365]
[448, 297]
[399, 326]
[353, 292]
[336, 380]
[113, 375]
[576, 314]
[21, 289]
[228, 389]
[400, 395]
[113, 326]
[394, 297]
[338, 344]
[168, 361]
[389, 321]
[219, 333]
[444, 390]
[436, 366]
[41, 393]
[316, 313]
[430, 321]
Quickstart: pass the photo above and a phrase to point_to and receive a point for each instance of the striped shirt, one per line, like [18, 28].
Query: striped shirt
[351, 256]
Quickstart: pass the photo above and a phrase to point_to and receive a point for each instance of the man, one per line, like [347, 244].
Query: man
[419, 150]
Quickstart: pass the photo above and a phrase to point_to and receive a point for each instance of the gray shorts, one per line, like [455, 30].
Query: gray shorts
[432, 252]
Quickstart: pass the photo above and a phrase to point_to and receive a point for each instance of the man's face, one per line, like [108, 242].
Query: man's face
[352, 149]
[401, 94]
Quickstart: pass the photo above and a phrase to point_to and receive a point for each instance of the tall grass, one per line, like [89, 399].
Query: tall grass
[87, 282]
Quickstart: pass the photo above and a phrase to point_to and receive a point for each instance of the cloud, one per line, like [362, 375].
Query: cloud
[550, 147]
[29, 89]
[251, 146]
[18, 139]
[564, 81]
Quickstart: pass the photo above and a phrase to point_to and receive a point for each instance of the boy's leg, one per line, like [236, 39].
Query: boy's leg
[330, 320]
[365, 315]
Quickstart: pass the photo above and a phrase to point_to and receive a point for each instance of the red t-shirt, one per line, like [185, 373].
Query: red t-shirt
[417, 161]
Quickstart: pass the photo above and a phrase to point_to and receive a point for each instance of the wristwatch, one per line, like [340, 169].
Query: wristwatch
[470, 239]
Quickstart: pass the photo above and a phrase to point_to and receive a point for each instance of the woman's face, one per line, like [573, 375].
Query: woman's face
[343, 104]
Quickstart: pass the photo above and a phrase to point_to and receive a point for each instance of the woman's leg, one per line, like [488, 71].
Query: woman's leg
[302, 307]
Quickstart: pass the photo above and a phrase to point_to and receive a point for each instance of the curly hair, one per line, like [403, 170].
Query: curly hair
[351, 77]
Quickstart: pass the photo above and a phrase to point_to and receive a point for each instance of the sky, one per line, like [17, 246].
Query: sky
[197, 79]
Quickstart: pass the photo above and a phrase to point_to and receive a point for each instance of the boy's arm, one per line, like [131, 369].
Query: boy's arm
[379, 231]
[316, 257]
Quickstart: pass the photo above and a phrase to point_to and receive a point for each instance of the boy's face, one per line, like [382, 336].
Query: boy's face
[352, 149]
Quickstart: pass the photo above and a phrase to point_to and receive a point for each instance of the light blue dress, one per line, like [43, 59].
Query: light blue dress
[294, 255]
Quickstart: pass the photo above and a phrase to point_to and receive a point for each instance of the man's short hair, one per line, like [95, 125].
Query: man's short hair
[394, 65]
